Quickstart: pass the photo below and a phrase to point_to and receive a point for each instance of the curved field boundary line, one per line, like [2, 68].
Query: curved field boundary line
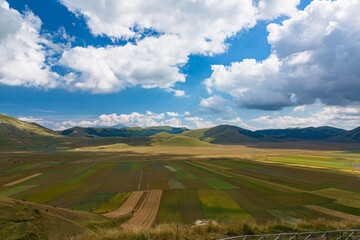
[22, 180]
[333, 213]
[128, 206]
[146, 214]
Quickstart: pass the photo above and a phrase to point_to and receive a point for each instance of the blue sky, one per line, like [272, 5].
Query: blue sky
[254, 64]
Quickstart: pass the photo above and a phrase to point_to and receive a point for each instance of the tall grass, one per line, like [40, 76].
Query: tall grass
[215, 230]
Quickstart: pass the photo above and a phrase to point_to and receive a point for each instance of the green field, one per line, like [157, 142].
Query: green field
[114, 203]
[337, 163]
[220, 184]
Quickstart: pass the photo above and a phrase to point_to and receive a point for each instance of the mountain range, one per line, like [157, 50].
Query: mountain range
[92, 132]
[14, 132]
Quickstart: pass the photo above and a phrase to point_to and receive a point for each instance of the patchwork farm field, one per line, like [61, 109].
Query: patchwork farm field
[184, 184]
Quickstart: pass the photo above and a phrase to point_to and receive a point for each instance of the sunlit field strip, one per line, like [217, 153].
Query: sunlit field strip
[280, 174]
[231, 173]
[265, 170]
[52, 192]
[170, 207]
[316, 162]
[216, 204]
[347, 198]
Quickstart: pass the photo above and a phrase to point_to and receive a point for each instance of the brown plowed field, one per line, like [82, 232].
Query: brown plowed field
[146, 214]
[128, 206]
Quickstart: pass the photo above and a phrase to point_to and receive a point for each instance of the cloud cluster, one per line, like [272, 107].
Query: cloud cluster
[32, 119]
[305, 116]
[315, 56]
[215, 104]
[182, 27]
[135, 119]
[200, 122]
[341, 117]
[160, 37]
[23, 50]
[113, 68]
[269, 9]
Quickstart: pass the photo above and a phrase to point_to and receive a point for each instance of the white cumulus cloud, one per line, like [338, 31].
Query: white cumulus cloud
[200, 122]
[135, 119]
[315, 56]
[335, 116]
[172, 114]
[183, 27]
[160, 36]
[274, 8]
[22, 50]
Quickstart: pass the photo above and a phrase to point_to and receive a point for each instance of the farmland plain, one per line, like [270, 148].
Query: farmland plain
[222, 183]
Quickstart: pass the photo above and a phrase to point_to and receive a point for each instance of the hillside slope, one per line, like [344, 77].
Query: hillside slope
[166, 139]
[25, 220]
[16, 133]
[226, 134]
[352, 136]
[301, 134]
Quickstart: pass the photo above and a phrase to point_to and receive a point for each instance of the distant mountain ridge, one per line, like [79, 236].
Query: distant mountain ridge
[15, 133]
[348, 136]
[92, 132]
[298, 134]
[226, 134]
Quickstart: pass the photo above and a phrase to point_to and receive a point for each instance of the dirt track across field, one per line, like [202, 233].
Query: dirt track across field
[128, 206]
[334, 213]
[22, 180]
[145, 215]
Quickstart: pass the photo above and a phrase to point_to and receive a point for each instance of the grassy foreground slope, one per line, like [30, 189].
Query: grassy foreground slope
[25, 220]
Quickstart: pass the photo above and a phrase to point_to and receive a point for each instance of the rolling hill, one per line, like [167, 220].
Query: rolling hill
[303, 134]
[167, 139]
[349, 136]
[92, 132]
[17, 134]
[226, 134]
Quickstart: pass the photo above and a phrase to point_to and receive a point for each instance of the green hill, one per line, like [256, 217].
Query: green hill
[92, 132]
[18, 134]
[226, 134]
[301, 134]
[352, 136]
[167, 139]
